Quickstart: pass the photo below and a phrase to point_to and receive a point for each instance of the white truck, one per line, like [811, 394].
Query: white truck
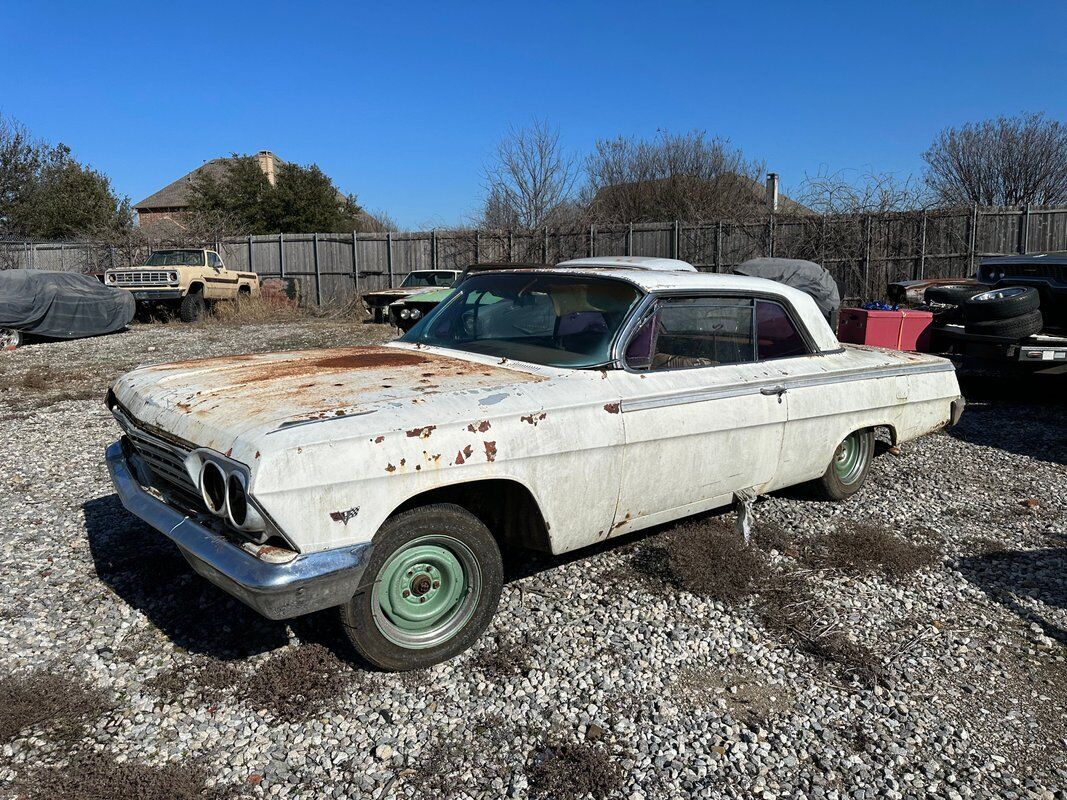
[539, 408]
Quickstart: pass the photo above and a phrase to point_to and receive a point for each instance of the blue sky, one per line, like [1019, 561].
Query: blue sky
[403, 103]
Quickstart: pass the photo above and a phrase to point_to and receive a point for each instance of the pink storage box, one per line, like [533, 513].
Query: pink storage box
[896, 330]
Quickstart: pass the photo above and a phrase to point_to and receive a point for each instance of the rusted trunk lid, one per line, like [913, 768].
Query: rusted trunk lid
[212, 402]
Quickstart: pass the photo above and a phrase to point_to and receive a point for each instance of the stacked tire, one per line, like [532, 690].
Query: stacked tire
[1012, 312]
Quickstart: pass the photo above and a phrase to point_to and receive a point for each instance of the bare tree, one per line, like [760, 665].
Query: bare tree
[1006, 161]
[530, 180]
[850, 192]
[687, 176]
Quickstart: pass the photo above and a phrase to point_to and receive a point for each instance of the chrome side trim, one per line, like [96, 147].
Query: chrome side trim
[755, 387]
[308, 583]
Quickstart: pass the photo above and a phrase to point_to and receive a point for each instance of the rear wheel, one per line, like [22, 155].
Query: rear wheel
[192, 307]
[433, 584]
[849, 467]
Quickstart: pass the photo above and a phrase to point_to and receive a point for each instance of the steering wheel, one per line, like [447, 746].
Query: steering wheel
[467, 325]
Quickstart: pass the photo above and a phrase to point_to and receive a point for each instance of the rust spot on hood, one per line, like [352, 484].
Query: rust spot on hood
[379, 439]
[423, 432]
[533, 419]
[480, 427]
[390, 468]
[490, 451]
[612, 408]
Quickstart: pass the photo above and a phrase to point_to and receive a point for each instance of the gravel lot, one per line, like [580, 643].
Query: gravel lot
[927, 660]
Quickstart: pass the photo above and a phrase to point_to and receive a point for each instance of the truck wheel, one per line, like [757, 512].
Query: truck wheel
[1015, 328]
[849, 467]
[10, 338]
[1005, 303]
[433, 584]
[951, 295]
[192, 307]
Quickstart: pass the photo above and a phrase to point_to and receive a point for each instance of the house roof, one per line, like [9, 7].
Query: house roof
[176, 194]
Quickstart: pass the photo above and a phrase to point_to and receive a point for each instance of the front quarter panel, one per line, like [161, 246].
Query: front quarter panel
[334, 483]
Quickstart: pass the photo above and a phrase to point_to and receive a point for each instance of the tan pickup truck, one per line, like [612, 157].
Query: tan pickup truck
[187, 279]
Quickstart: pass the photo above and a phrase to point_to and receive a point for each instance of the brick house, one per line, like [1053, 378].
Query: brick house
[166, 211]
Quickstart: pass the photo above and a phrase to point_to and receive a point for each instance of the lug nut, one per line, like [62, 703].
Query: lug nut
[407, 593]
[437, 584]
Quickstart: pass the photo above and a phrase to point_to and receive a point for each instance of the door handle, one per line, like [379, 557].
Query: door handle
[776, 390]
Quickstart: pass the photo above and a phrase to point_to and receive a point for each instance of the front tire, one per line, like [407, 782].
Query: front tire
[433, 585]
[849, 467]
[192, 307]
[10, 338]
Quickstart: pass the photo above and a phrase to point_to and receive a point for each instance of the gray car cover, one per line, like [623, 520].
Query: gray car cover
[62, 305]
[807, 276]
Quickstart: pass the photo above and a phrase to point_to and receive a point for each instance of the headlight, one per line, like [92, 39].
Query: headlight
[415, 313]
[174, 277]
[239, 511]
[213, 487]
[404, 313]
[111, 277]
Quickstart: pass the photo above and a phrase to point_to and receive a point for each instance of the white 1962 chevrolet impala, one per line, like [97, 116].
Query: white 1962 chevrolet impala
[545, 408]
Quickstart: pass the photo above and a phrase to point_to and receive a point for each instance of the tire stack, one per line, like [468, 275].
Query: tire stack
[1013, 312]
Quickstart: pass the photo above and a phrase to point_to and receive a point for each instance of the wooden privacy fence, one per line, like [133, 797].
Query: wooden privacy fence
[864, 252]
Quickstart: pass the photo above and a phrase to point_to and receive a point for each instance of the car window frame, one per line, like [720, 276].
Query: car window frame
[652, 300]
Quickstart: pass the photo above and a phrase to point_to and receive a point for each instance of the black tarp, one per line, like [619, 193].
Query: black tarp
[62, 305]
[807, 276]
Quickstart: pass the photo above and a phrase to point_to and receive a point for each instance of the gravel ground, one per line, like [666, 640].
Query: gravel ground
[909, 642]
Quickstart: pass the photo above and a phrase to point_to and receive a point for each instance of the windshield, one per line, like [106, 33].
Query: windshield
[435, 278]
[176, 258]
[555, 320]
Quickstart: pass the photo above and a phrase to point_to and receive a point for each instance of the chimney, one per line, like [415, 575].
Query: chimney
[772, 191]
[266, 163]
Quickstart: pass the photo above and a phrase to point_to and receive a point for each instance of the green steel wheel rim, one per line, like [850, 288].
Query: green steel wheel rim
[852, 456]
[426, 592]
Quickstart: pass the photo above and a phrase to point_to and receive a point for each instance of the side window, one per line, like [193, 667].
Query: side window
[213, 260]
[694, 332]
[776, 335]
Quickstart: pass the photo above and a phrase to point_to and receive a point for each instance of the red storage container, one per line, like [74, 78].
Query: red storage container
[896, 330]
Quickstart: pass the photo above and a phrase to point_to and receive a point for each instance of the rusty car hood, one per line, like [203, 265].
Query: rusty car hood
[212, 402]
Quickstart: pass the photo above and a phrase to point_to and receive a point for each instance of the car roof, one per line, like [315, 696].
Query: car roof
[1057, 257]
[694, 281]
[632, 262]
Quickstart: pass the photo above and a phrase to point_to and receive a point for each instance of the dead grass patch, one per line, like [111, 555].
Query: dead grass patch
[790, 606]
[865, 549]
[507, 657]
[254, 311]
[750, 702]
[301, 682]
[569, 771]
[710, 559]
[59, 704]
[99, 776]
[207, 679]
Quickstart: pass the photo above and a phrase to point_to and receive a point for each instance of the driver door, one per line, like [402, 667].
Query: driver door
[700, 421]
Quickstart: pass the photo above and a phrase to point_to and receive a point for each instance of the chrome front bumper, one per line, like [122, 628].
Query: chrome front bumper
[308, 583]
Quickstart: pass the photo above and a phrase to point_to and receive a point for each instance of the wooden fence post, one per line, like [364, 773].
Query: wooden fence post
[674, 240]
[281, 255]
[718, 246]
[867, 259]
[1024, 245]
[972, 237]
[250, 267]
[630, 240]
[592, 241]
[922, 249]
[433, 248]
[389, 256]
[355, 264]
[318, 276]
[544, 245]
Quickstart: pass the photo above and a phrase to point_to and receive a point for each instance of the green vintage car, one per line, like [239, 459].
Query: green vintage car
[406, 311]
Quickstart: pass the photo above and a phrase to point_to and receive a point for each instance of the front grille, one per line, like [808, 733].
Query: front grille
[165, 460]
[142, 278]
